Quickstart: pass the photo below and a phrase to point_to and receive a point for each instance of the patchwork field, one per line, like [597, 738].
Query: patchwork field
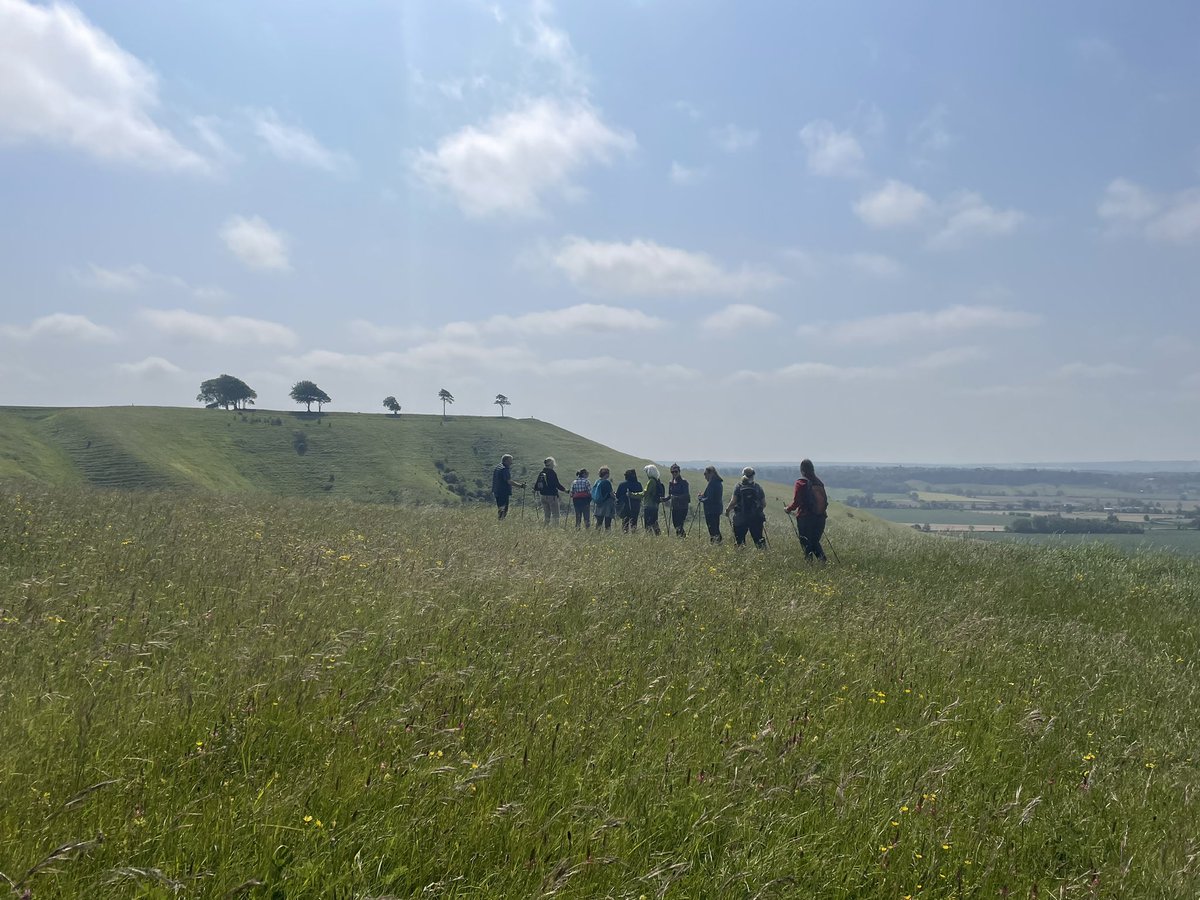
[214, 696]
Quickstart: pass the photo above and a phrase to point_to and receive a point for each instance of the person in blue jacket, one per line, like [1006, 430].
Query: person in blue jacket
[629, 502]
[606, 503]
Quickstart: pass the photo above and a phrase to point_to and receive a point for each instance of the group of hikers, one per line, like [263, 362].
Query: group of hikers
[630, 501]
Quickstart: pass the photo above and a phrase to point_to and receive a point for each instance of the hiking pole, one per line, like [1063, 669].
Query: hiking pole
[829, 544]
[522, 503]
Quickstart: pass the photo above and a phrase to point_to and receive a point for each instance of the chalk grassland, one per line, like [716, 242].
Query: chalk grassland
[282, 698]
[342, 455]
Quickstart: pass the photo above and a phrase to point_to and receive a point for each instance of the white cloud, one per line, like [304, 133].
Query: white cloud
[1094, 371]
[684, 176]
[948, 358]
[256, 243]
[208, 129]
[1179, 223]
[963, 216]
[513, 160]
[293, 144]
[831, 152]
[151, 366]
[820, 371]
[66, 326]
[464, 358]
[218, 329]
[894, 205]
[644, 268]
[132, 278]
[64, 81]
[813, 371]
[1127, 206]
[877, 265]
[968, 216]
[738, 317]
[552, 46]
[582, 319]
[691, 110]
[897, 328]
[931, 136]
[1125, 201]
[125, 280]
[733, 138]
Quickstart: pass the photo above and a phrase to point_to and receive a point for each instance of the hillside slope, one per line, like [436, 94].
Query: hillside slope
[355, 456]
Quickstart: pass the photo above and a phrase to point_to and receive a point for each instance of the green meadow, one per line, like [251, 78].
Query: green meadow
[218, 695]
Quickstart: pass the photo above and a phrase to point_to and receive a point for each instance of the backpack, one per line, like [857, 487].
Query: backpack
[596, 498]
[540, 484]
[816, 501]
[748, 503]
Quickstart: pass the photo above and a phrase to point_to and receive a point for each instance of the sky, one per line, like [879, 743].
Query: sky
[880, 231]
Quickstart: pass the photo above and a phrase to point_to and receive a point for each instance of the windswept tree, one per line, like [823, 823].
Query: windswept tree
[308, 393]
[446, 397]
[502, 401]
[226, 391]
[392, 405]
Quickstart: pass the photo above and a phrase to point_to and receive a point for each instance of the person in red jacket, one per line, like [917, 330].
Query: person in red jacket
[810, 504]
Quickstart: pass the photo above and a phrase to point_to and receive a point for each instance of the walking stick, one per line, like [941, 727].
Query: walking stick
[829, 544]
[522, 503]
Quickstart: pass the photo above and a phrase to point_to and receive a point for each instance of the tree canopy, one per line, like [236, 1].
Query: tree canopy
[226, 391]
[446, 397]
[392, 404]
[502, 401]
[308, 393]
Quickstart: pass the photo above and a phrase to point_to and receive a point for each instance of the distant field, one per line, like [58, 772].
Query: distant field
[1187, 541]
[940, 516]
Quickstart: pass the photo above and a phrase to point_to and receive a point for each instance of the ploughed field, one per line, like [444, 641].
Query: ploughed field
[204, 696]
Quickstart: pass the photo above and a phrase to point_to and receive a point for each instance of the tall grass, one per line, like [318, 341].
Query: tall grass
[208, 697]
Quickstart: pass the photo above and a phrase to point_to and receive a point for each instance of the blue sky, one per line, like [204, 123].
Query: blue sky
[880, 231]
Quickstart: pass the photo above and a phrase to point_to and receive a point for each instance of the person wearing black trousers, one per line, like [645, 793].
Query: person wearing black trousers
[680, 497]
[711, 499]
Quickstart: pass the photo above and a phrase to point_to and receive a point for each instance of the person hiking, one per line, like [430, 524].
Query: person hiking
[810, 504]
[652, 496]
[547, 488]
[629, 493]
[710, 500]
[680, 496]
[581, 497]
[748, 506]
[503, 484]
[602, 496]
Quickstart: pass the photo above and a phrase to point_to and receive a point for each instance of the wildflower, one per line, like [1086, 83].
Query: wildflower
[945, 846]
[904, 809]
[307, 819]
[895, 824]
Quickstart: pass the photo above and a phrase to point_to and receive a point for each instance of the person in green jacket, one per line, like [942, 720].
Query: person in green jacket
[652, 496]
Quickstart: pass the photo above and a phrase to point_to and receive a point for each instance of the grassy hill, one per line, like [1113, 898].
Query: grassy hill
[355, 456]
[215, 696]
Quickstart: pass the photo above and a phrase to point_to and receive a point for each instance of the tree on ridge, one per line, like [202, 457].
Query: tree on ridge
[502, 401]
[446, 397]
[391, 404]
[308, 393]
[226, 391]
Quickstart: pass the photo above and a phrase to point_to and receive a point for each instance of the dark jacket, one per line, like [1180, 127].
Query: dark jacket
[550, 483]
[502, 481]
[680, 493]
[713, 496]
[740, 516]
[627, 487]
